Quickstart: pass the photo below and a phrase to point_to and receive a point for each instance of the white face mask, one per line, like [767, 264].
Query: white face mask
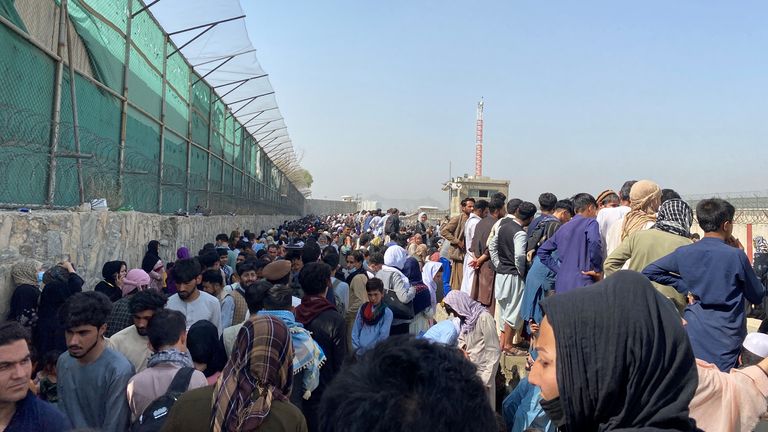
[40, 278]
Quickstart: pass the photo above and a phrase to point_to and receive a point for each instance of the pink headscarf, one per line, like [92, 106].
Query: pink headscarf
[469, 309]
[136, 278]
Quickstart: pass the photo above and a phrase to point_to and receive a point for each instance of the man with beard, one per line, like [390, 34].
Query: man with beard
[453, 232]
[132, 342]
[92, 377]
[196, 305]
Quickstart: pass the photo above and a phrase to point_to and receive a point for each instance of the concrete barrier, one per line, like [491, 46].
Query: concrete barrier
[89, 239]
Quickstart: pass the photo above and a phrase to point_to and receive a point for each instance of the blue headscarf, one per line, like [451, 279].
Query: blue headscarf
[412, 271]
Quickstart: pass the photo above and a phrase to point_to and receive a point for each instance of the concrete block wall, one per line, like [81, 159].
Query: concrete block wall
[328, 207]
[89, 239]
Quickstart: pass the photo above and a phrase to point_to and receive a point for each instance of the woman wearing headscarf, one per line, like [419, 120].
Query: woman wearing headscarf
[604, 366]
[422, 300]
[153, 265]
[113, 273]
[252, 393]
[59, 283]
[644, 199]
[23, 306]
[477, 337]
[394, 280]
[206, 349]
[430, 275]
[671, 230]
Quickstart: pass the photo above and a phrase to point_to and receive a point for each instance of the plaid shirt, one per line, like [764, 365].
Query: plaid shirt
[120, 317]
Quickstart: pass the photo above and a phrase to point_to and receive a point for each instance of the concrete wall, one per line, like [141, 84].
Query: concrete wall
[89, 239]
[327, 207]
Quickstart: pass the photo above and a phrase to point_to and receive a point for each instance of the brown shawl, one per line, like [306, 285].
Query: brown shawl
[644, 201]
[259, 371]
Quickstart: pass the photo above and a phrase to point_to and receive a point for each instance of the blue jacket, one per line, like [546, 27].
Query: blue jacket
[33, 414]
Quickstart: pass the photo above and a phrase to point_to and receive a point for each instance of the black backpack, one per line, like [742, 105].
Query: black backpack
[153, 417]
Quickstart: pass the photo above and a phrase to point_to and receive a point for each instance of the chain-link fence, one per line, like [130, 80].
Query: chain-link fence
[751, 207]
[150, 133]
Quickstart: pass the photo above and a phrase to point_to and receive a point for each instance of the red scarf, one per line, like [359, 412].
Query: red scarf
[372, 314]
[311, 307]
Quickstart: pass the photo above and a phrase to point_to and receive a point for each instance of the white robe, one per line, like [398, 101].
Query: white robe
[469, 234]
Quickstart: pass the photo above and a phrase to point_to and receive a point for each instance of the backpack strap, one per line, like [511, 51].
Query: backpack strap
[181, 380]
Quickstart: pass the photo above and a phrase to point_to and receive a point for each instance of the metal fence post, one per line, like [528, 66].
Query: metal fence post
[188, 141]
[75, 122]
[162, 127]
[210, 142]
[56, 115]
[124, 105]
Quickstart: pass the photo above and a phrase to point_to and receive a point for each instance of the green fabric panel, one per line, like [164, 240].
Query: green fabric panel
[26, 94]
[216, 169]
[228, 179]
[177, 74]
[201, 96]
[144, 84]
[114, 11]
[174, 173]
[8, 10]
[229, 151]
[99, 120]
[201, 198]
[142, 157]
[176, 112]
[237, 183]
[217, 118]
[149, 39]
[200, 129]
[105, 46]
[174, 160]
[237, 155]
[198, 167]
[173, 199]
[229, 128]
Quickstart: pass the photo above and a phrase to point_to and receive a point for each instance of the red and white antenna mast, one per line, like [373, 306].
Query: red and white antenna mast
[479, 140]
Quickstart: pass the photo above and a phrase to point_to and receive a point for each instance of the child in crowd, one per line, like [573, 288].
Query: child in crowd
[213, 284]
[373, 319]
[46, 378]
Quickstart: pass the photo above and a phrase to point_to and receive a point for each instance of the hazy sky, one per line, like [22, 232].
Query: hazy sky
[579, 96]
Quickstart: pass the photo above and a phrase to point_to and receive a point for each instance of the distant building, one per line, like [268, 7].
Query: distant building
[368, 205]
[476, 187]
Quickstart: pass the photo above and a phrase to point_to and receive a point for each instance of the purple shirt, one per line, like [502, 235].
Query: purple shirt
[579, 248]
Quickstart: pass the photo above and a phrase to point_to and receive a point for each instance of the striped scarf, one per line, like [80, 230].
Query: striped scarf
[259, 371]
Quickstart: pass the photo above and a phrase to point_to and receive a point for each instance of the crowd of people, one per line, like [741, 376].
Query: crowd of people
[373, 321]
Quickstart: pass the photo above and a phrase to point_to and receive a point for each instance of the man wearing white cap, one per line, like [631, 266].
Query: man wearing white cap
[733, 401]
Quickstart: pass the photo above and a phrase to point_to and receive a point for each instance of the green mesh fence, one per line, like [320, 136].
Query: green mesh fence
[164, 143]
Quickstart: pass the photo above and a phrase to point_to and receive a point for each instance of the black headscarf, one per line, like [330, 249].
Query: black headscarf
[624, 361]
[151, 257]
[110, 269]
[205, 346]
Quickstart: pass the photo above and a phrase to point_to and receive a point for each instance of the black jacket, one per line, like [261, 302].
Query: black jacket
[506, 250]
[329, 330]
[760, 265]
